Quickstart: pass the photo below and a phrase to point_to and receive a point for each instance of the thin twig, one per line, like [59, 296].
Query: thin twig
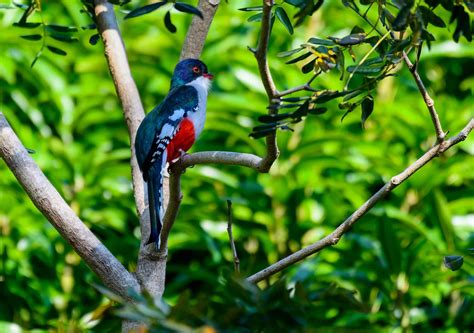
[440, 134]
[47, 199]
[262, 49]
[334, 237]
[306, 87]
[365, 58]
[231, 238]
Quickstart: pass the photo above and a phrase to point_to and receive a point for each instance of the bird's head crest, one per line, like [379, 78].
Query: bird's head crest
[189, 70]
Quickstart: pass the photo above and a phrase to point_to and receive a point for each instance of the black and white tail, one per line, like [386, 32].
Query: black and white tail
[155, 199]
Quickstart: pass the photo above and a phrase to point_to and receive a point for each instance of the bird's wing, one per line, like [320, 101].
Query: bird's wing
[159, 126]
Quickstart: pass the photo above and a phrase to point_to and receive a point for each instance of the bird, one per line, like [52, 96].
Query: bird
[168, 131]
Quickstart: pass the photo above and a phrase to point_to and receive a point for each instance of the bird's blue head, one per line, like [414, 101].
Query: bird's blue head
[189, 70]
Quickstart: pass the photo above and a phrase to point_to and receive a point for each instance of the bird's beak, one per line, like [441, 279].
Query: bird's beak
[208, 76]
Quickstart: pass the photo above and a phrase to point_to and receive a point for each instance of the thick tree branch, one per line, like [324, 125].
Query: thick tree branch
[335, 236]
[440, 135]
[124, 85]
[47, 199]
[151, 269]
[197, 32]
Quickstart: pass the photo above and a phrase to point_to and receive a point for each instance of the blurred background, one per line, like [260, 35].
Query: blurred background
[389, 267]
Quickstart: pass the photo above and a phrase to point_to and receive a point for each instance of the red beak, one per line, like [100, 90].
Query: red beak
[208, 76]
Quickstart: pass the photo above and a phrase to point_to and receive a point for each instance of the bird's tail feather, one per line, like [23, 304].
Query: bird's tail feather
[155, 202]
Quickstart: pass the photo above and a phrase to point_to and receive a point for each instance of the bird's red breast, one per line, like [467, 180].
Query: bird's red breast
[182, 141]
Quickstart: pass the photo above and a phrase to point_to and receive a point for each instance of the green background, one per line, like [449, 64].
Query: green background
[66, 109]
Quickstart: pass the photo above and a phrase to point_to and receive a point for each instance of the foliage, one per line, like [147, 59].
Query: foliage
[387, 273]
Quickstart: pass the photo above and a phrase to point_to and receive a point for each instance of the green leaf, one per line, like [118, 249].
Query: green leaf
[289, 53]
[364, 69]
[60, 28]
[352, 39]
[319, 41]
[296, 3]
[352, 94]
[453, 262]
[168, 24]
[284, 19]
[255, 18]
[367, 108]
[145, 10]
[401, 21]
[444, 218]
[94, 39]
[273, 118]
[328, 95]
[64, 38]
[299, 58]
[262, 133]
[56, 50]
[185, 8]
[32, 37]
[308, 67]
[27, 25]
[429, 16]
[317, 111]
[251, 9]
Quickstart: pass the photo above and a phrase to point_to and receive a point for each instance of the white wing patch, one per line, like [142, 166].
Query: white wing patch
[177, 114]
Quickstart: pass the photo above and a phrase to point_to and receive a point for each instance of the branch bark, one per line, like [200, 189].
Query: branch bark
[47, 199]
[151, 267]
[125, 86]
[260, 53]
[334, 237]
[440, 134]
[198, 30]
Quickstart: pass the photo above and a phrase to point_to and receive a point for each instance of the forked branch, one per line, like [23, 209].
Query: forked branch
[440, 134]
[334, 237]
[47, 199]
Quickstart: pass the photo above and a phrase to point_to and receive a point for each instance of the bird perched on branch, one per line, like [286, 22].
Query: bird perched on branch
[169, 130]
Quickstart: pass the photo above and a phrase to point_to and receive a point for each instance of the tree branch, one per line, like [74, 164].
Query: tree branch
[231, 237]
[334, 237]
[440, 135]
[198, 30]
[192, 48]
[47, 199]
[260, 53]
[124, 85]
[151, 269]
[306, 87]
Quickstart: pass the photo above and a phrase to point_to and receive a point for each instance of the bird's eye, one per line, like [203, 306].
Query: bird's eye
[196, 70]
